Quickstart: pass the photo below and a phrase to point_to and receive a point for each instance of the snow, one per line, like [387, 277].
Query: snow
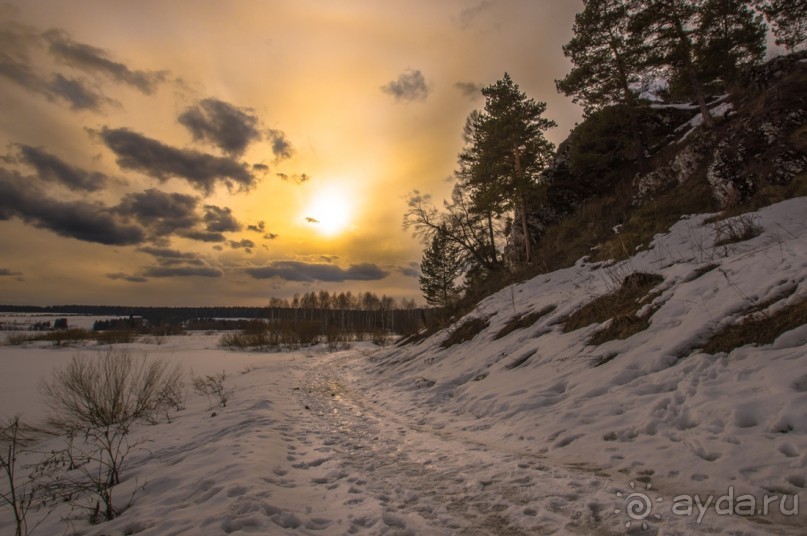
[719, 110]
[520, 435]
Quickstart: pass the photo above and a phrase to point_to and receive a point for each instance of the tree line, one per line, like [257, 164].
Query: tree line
[621, 51]
[361, 311]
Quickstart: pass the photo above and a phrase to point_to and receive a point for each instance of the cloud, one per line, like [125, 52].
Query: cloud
[51, 168]
[163, 213]
[90, 222]
[281, 146]
[76, 93]
[299, 179]
[409, 271]
[309, 219]
[204, 236]
[15, 43]
[167, 253]
[469, 89]
[271, 236]
[120, 276]
[230, 128]
[95, 60]
[140, 153]
[5, 272]
[410, 86]
[307, 272]
[220, 219]
[470, 14]
[258, 227]
[245, 243]
[182, 271]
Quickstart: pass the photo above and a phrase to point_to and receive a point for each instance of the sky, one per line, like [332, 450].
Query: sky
[215, 152]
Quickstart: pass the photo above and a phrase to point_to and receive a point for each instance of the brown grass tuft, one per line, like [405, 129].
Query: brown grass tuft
[523, 321]
[621, 306]
[759, 329]
[466, 331]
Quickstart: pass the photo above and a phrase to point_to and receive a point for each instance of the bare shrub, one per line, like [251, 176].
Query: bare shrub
[20, 494]
[212, 386]
[95, 402]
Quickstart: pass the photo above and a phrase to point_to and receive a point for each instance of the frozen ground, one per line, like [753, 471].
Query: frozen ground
[520, 435]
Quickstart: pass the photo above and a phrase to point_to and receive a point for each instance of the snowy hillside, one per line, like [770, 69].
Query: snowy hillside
[534, 432]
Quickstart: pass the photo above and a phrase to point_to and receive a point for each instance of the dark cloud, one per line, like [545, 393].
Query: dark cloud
[299, 179]
[167, 253]
[307, 272]
[139, 153]
[5, 272]
[182, 271]
[16, 41]
[469, 89]
[163, 213]
[271, 236]
[52, 168]
[409, 271]
[220, 219]
[204, 236]
[90, 222]
[230, 128]
[281, 147]
[263, 168]
[120, 276]
[309, 219]
[410, 86]
[76, 93]
[95, 60]
[245, 244]
[258, 227]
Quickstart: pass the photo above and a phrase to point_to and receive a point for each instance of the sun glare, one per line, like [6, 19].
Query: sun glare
[329, 211]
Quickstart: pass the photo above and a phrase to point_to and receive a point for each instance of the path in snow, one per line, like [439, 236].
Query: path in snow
[426, 481]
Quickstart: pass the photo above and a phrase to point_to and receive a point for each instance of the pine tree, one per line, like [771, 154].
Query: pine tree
[607, 60]
[606, 56]
[504, 153]
[730, 36]
[788, 19]
[668, 26]
[440, 267]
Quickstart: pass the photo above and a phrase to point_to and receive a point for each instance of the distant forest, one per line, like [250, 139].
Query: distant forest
[344, 311]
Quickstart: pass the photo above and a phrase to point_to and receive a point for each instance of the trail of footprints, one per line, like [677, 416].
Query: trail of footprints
[399, 480]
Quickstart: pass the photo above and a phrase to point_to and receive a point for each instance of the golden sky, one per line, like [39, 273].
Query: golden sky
[208, 152]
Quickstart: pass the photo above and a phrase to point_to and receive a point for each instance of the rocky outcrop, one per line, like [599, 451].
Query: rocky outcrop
[762, 143]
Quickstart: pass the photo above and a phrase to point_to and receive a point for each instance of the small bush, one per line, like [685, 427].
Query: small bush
[95, 402]
[212, 386]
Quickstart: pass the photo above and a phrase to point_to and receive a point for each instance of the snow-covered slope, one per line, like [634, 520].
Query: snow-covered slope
[536, 432]
[656, 410]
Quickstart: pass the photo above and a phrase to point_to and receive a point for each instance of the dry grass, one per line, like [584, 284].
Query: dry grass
[758, 329]
[465, 331]
[523, 321]
[620, 306]
[738, 229]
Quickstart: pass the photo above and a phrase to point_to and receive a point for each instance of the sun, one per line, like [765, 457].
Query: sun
[329, 211]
